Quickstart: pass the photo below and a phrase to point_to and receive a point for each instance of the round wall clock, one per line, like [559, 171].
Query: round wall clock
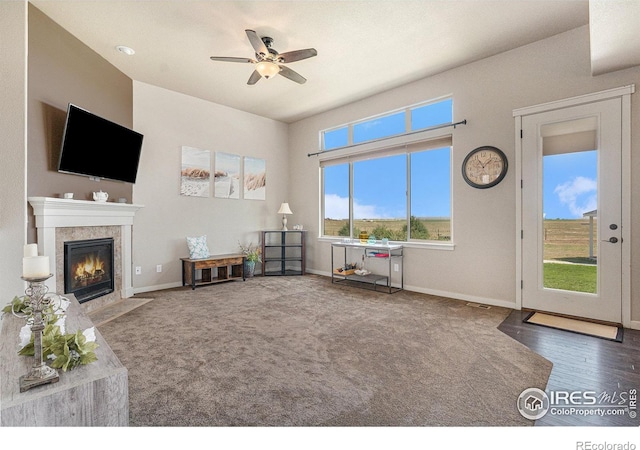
[484, 167]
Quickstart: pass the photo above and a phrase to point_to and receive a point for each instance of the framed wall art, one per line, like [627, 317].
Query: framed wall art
[255, 178]
[195, 173]
[226, 176]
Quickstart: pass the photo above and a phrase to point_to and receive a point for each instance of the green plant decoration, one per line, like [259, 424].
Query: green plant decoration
[251, 253]
[66, 350]
[18, 305]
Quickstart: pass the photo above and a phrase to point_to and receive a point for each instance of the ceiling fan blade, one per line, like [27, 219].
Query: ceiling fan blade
[255, 76]
[232, 59]
[297, 55]
[257, 43]
[292, 75]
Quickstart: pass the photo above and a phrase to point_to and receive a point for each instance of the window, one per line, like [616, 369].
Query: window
[431, 194]
[411, 119]
[379, 128]
[336, 200]
[335, 138]
[401, 192]
[431, 115]
[381, 188]
[380, 197]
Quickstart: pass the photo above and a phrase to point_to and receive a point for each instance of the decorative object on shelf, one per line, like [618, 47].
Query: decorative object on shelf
[364, 237]
[484, 167]
[284, 210]
[371, 240]
[100, 196]
[40, 373]
[298, 227]
[252, 255]
[43, 336]
[385, 241]
[68, 195]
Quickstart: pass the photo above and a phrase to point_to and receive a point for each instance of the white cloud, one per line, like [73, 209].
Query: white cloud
[579, 194]
[336, 207]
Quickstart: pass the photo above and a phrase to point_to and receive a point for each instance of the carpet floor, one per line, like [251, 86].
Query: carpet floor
[299, 351]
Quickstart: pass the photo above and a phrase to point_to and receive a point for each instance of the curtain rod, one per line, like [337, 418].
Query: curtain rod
[446, 125]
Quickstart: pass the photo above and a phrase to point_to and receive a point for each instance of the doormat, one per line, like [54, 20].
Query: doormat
[609, 332]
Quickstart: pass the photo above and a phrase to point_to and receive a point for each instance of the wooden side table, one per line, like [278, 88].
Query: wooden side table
[228, 267]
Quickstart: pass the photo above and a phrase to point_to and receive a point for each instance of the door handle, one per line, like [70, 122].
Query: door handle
[613, 240]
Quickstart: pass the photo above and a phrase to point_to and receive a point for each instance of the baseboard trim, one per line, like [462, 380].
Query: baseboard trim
[447, 294]
[157, 287]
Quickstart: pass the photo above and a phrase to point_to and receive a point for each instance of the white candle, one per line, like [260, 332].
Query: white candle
[35, 267]
[30, 250]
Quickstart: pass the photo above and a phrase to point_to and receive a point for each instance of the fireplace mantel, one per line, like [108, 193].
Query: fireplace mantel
[62, 212]
[52, 213]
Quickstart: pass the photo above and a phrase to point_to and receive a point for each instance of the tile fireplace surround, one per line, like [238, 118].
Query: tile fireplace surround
[59, 220]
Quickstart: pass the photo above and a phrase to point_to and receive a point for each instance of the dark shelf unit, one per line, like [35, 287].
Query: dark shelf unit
[283, 252]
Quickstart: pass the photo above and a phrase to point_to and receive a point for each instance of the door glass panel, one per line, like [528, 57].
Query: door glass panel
[569, 213]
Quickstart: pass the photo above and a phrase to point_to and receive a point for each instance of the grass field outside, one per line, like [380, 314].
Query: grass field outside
[568, 263]
[438, 229]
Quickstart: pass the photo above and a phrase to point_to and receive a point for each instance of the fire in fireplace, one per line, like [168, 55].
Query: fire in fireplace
[88, 268]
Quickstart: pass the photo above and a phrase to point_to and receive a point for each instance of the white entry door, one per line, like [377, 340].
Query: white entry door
[572, 211]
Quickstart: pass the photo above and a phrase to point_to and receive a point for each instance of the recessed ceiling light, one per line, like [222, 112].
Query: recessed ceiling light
[126, 50]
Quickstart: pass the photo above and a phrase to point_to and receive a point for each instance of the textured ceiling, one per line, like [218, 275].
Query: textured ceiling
[364, 47]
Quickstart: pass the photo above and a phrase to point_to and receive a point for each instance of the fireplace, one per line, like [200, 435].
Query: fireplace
[88, 268]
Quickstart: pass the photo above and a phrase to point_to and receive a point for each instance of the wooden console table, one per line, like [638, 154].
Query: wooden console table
[228, 267]
[93, 395]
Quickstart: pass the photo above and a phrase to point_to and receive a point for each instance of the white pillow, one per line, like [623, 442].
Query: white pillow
[198, 247]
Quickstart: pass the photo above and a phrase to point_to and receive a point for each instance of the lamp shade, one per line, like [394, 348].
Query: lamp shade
[284, 209]
[267, 69]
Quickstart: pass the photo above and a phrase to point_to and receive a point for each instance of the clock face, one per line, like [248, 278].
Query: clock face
[484, 167]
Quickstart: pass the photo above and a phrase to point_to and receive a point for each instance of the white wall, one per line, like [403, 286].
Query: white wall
[13, 193]
[482, 266]
[170, 120]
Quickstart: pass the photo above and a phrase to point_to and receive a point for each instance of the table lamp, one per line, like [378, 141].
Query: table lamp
[284, 210]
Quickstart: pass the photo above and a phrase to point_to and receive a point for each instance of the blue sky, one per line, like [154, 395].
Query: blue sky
[569, 188]
[570, 185]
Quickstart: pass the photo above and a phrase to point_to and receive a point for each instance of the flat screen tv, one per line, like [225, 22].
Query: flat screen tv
[96, 147]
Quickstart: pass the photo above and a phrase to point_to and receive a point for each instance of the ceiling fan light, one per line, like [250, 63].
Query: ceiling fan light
[267, 69]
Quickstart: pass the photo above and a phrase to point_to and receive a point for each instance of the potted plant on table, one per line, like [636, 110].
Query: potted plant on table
[252, 255]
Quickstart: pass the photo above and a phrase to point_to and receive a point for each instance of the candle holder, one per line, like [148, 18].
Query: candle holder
[40, 373]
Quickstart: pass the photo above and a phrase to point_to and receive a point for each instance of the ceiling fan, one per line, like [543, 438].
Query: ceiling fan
[268, 61]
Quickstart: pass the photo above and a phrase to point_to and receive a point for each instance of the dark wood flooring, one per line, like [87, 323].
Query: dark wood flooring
[583, 363]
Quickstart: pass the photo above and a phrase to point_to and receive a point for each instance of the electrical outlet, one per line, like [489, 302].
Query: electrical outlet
[138, 270]
[396, 267]
[159, 268]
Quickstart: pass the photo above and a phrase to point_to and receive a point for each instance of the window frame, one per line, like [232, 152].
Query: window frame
[442, 141]
[410, 141]
[407, 110]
